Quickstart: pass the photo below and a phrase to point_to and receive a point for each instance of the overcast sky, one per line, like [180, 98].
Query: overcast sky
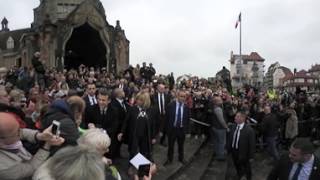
[197, 36]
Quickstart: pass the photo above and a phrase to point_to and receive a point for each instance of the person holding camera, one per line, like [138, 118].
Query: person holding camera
[16, 161]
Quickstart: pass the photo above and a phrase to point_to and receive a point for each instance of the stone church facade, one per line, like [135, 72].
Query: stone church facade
[66, 33]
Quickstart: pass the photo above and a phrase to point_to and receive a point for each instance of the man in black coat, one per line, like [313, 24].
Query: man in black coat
[150, 72]
[39, 69]
[241, 144]
[144, 71]
[300, 164]
[120, 105]
[270, 129]
[91, 103]
[106, 117]
[177, 117]
[160, 101]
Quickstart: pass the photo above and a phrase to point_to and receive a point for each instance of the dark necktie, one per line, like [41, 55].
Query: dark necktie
[235, 138]
[297, 172]
[179, 119]
[104, 112]
[161, 104]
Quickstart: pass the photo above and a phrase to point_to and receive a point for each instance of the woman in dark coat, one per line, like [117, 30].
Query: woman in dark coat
[140, 126]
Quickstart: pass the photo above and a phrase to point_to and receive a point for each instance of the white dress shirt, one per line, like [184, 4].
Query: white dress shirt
[305, 171]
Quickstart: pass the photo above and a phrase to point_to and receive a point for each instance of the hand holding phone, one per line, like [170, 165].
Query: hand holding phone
[144, 170]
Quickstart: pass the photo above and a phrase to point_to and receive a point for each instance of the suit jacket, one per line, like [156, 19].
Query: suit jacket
[246, 144]
[87, 101]
[282, 169]
[155, 101]
[108, 121]
[171, 116]
[120, 110]
[89, 110]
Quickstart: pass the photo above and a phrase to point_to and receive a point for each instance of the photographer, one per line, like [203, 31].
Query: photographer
[16, 161]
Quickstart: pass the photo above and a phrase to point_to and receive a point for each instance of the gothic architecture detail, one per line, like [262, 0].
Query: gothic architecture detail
[67, 33]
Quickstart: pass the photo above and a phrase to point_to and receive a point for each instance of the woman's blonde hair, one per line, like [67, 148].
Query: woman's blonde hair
[145, 98]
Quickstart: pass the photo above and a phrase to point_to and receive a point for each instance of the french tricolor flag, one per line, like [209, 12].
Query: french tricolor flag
[238, 21]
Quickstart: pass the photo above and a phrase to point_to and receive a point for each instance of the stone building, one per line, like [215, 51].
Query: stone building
[249, 69]
[67, 33]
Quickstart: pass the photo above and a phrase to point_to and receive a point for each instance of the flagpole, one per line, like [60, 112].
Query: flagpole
[240, 52]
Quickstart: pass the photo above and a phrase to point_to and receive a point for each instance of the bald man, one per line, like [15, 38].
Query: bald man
[16, 161]
[160, 100]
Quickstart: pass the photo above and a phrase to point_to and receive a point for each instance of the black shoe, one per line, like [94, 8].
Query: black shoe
[182, 161]
[168, 162]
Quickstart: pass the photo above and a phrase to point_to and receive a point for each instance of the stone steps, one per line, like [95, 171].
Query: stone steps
[216, 170]
[197, 166]
[200, 164]
[192, 147]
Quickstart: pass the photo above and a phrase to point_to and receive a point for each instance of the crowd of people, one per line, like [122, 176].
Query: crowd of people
[98, 112]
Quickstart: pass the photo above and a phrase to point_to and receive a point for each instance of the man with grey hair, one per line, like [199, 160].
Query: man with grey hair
[219, 127]
[300, 164]
[177, 121]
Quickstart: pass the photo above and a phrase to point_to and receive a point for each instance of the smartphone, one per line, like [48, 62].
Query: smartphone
[144, 170]
[55, 127]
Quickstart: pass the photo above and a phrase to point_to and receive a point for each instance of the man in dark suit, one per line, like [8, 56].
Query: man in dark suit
[301, 164]
[160, 101]
[118, 103]
[241, 144]
[177, 116]
[106, 117]
[91, 103]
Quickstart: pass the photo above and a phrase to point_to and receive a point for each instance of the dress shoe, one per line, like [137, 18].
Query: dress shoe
[168, 162]
[182, 161]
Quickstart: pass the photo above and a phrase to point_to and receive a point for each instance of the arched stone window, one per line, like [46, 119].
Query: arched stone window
[10, 43]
